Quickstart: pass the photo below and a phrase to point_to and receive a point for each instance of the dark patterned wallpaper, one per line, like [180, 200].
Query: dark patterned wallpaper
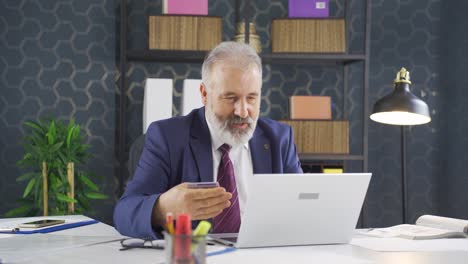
[58, 58]
[405, 34]
[453, 85]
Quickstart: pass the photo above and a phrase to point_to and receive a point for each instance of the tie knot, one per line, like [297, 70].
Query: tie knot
[224, 148]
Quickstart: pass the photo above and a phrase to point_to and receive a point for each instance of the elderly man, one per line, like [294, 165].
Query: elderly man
[223, 141]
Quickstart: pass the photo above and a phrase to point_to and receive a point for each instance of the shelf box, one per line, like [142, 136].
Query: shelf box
[320, 136]
[310, 107]
[320, 35]
[200, 33]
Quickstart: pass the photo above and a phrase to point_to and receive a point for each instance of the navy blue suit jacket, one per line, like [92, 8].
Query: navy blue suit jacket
[179, 150]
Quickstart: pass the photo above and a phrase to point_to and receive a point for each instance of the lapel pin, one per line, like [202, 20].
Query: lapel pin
[266, 146]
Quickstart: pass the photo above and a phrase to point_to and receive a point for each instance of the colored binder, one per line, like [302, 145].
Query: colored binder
[53, 228]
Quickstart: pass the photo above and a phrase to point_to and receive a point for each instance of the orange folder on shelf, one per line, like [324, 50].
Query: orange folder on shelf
[310, 107]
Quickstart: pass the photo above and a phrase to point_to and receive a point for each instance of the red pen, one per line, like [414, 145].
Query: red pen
[183, 240]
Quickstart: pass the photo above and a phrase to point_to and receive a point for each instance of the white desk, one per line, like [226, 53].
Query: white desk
[98, 243]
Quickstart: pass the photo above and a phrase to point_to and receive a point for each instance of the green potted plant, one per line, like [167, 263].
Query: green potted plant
[56, 181]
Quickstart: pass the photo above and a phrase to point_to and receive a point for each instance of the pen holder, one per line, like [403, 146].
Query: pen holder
[185, 249]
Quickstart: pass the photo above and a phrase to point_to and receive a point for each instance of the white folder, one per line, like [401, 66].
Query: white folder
[157, 102]
[191, 97]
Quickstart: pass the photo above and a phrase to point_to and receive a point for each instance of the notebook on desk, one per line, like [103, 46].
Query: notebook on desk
[299, 209]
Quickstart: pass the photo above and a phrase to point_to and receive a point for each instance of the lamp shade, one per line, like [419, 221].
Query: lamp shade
[401, 107]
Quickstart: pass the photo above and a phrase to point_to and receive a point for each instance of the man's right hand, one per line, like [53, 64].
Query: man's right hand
[199, 203]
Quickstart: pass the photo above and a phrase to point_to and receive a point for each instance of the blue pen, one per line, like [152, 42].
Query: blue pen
[52, 228]
[219, 252]
[67, 226]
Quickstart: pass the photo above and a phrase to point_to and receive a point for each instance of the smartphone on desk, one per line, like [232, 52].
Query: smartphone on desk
[202, 185]
[41, 223]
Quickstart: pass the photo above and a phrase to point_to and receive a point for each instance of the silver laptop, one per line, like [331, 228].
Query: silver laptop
[299, 209]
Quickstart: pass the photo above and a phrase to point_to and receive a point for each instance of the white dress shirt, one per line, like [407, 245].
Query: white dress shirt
[242, 162]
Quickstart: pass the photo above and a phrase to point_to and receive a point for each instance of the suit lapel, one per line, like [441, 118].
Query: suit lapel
[260, 149]
[200, 144]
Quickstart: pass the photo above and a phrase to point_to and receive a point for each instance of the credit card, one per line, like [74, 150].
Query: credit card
[198, 185]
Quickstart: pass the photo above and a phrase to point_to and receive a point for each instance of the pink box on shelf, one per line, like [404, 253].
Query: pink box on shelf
[308, 8]
[185, 7]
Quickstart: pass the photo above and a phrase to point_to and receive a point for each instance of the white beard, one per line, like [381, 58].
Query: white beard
[232, 136]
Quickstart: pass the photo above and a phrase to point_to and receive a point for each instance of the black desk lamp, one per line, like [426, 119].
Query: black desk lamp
[401, 108]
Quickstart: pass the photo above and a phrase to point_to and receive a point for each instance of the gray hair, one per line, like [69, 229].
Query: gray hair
[235, 53]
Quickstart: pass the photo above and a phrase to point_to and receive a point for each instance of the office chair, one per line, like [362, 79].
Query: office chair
[134, 155]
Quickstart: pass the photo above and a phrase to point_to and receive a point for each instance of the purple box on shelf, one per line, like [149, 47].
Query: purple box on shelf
[308, 8]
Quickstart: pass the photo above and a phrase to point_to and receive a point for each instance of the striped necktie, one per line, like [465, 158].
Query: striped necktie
[229, 220]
